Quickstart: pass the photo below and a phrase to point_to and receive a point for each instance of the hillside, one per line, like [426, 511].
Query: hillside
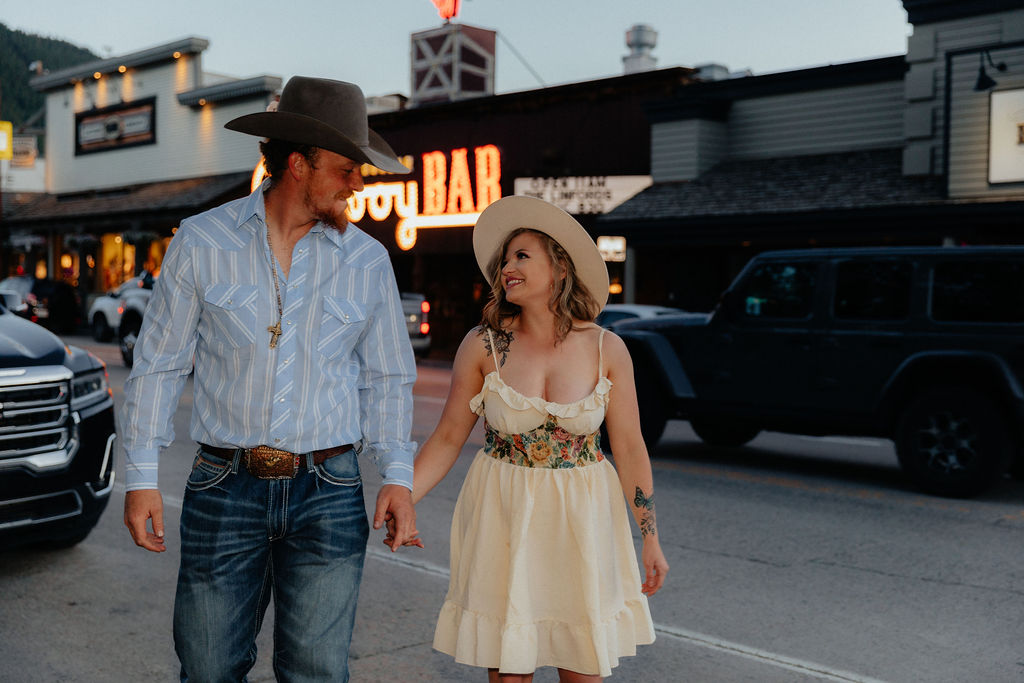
[17, 50]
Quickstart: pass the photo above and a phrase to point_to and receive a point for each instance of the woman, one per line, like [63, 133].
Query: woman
[543, 570]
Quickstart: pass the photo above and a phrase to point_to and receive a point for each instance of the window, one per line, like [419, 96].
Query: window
[978, 291]
[779, 290]
[873, 290]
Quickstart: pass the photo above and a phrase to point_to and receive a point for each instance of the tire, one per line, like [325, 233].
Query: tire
[724, 432]
[101, 331]
[651, 401]
[128, 336]
[953, 441]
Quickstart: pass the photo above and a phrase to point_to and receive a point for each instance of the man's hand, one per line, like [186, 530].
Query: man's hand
[140, 506]
[395, 508]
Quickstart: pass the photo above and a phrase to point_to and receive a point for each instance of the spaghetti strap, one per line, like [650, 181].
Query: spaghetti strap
[600, 354]
[494, 351]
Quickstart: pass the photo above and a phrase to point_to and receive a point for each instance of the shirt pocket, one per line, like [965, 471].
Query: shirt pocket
[231, 313]
[342, 322]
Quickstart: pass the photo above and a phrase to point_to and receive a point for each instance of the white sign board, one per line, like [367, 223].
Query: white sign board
[1006, 137]
[583, 194]
[6, 139]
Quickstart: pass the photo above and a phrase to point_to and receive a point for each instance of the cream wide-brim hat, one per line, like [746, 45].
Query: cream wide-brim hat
[513, 212]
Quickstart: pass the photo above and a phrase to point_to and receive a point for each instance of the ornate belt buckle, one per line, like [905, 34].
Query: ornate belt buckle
[266, 462]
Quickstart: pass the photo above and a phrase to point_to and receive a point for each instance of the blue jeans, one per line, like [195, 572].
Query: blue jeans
[243, 539]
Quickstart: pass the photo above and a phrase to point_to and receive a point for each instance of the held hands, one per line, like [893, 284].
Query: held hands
[396, 511]
[655, 566]
[140, 506]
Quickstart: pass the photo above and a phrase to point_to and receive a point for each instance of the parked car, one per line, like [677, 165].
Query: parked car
[106, 311]
[416, 308]
[51, 303]
[919, 345]
[613, 313]
[56, 437]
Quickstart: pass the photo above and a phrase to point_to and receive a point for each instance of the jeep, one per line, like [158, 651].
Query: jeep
[924, 346]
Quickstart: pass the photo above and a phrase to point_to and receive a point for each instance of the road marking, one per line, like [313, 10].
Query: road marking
[848, 440]
[699, 639]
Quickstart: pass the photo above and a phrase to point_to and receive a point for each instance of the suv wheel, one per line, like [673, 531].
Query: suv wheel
[653, 414]
[953, 441]
[101, 331]
[726, 433]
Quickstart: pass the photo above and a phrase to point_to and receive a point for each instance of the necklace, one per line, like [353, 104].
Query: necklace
[275, 329]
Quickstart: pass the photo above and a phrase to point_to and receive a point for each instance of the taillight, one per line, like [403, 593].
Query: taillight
[425, 306]
[424, 328]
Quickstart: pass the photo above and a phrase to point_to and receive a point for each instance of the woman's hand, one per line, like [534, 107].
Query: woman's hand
[655, 566]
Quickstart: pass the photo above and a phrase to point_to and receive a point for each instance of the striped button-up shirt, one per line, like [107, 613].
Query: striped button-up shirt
[342, 371]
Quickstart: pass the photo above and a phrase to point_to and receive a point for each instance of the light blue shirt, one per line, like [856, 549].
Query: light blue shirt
[342, 371]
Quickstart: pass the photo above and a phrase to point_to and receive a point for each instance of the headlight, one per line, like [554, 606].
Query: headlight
[89, 387]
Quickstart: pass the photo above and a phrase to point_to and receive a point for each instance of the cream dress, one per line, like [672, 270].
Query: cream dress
[543, 569]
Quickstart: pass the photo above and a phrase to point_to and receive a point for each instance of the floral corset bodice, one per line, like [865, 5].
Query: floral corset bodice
[531, 432]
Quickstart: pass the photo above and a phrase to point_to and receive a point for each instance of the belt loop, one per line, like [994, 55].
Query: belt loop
[309, 461]
[235, 460]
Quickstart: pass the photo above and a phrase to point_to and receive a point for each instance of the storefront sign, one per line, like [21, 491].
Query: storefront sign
[116, 127]
[25, 150]
[449, 199]
[583, 194]
[6, 140]
[1006, 137]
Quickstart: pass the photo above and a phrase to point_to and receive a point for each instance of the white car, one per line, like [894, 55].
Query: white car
[106, 311]
[613, 313]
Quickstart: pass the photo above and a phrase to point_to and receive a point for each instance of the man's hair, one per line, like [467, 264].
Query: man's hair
[276, 153]
[570, 298]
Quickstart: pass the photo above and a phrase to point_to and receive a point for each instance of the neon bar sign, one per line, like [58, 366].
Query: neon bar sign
[448, 198]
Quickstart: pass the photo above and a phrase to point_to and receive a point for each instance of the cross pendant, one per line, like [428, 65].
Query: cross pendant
[275, 332]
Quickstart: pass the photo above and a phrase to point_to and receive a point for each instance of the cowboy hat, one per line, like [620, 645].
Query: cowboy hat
[326, 114]
[510, 213]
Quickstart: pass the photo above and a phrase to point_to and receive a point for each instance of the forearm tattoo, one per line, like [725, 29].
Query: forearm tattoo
[502, 339]
[646, 515]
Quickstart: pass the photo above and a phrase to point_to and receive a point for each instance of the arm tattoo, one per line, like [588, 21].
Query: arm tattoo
[502, 339]
[646, 515]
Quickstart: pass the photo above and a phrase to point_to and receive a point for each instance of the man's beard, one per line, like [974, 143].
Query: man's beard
[331, 219]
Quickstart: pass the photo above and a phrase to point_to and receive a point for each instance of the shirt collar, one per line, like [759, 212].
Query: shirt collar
[254, 207]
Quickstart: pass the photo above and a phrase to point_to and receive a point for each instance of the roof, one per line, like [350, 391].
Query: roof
[160, 53]
[231, 90]
[172, 196]
[811, 183]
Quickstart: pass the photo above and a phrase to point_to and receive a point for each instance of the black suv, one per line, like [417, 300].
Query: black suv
[56, 437]
[921, 345]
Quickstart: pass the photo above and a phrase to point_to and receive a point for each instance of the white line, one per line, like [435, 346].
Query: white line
[847, 441]
[763, 656]
[692, 637]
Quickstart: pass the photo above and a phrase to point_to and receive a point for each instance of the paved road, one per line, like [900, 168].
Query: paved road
[792, 560]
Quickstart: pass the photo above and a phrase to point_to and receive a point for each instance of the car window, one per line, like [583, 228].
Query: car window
[978, 291]
[778, 290]
[873, 290]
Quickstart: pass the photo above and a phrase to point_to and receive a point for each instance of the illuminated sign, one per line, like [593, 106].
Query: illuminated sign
[446, 8]
[6, 140]
[116, 127]
[1006, 137]
[583, 194]
[448, 198]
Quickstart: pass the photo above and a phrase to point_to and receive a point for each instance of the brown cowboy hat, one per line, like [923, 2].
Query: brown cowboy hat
[326, 114]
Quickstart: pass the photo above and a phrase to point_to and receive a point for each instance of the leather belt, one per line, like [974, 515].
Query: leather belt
[266, 462]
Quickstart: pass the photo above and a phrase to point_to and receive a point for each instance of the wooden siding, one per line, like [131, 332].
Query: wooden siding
[682, 150]
[189, 142]
[816, 122]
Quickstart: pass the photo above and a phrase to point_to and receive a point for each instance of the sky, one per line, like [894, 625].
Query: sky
[540, 42]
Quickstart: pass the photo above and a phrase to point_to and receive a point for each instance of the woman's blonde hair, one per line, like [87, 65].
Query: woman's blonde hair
[570, 298]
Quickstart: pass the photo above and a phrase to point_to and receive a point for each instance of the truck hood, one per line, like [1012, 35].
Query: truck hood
[663, 322]
[23, 343]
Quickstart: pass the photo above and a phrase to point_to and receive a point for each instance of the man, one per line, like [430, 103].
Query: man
[293, 321]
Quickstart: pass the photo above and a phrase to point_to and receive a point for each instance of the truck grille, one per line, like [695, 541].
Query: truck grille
[34, 411]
